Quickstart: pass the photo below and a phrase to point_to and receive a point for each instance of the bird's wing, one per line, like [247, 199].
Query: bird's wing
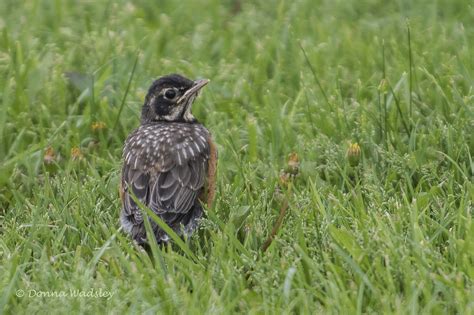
[136, 181]
[168, 185]
[176, 190]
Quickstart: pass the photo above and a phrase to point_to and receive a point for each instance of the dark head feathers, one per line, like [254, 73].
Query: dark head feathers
[170, 98]
[171, 80]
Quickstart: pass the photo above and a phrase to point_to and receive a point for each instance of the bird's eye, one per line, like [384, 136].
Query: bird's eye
[170, 94]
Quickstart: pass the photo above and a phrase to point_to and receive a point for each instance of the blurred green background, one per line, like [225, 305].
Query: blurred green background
[387, 231]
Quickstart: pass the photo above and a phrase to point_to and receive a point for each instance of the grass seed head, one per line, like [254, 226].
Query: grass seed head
[354, 154]
[49, 155]
[293, 164]
[76, 154]
[97, 126]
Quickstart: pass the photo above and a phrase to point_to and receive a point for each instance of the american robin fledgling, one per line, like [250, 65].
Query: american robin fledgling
[169, 161]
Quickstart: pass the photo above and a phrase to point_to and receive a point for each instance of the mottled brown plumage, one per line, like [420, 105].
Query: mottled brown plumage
[168, 161]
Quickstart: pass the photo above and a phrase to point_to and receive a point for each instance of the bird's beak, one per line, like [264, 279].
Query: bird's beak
[199, 84]
[194, 90]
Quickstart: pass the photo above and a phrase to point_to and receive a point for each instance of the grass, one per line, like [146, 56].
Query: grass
[392, 234]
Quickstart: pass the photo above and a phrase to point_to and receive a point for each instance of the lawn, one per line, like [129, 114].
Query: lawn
[370, 103]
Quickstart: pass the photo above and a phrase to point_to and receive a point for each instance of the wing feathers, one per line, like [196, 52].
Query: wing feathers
[170, 178]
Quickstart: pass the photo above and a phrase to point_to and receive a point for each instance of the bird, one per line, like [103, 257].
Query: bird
[169, 162]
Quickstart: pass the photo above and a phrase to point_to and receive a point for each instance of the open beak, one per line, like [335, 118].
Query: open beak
[194, 90]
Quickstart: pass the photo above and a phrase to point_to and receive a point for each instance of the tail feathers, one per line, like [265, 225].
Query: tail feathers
[181, 223]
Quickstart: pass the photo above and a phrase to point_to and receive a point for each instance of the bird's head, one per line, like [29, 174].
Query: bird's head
[170, 98]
